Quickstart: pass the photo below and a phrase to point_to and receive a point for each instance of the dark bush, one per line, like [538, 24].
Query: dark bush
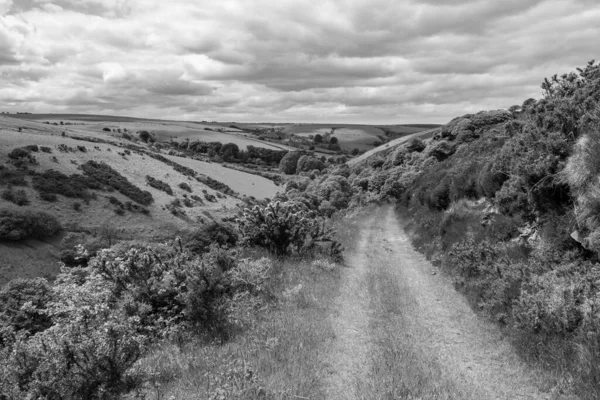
[82, 149]
[288, 164]
[18, 197]
[45, 149]
[415, 144]
[32, 147]
[185, 187]
[12, 177]
[17, 225]
[50, 197]
[107, 176]
[144, 135]
[18, 153]
[158, 184]
[106, 129]
[200, 240]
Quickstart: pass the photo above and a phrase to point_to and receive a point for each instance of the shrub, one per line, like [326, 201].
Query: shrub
[200, 240]
[107, 176]
[32, 147]
[144, 135]
[12, 177]
[18, 153]
[106, 129]
[50, 197]
[16, 225]
[18, 197]
[82, 149]
[415, 144]
[23, 307]
[185, 187]
[45, 149]
[55, 182]
[283, 228]
[158, 184]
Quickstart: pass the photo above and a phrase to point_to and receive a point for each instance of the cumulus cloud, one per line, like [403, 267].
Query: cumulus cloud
[371, 61]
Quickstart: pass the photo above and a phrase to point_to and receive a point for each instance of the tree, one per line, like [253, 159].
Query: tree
[230, 151]
[288, 163]
[318, 138]
[333, 140]
[144, 135]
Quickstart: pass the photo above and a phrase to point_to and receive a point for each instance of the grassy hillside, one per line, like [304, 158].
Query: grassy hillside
[191, 201]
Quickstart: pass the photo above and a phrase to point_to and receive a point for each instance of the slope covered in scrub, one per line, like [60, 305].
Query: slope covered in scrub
[507, 203]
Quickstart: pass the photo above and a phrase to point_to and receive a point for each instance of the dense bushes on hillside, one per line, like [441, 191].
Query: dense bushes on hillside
[107, 176]
[18, 197]
[74, 186]
[82, 337]
[19, 225]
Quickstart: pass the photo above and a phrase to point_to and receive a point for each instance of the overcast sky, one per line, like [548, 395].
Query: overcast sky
[359, 61]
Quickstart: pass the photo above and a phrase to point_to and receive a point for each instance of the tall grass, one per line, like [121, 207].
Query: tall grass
[278, 357]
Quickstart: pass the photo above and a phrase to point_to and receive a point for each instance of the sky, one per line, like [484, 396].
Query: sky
[339, 61]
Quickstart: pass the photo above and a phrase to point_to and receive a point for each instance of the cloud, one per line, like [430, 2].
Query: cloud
[377, 61]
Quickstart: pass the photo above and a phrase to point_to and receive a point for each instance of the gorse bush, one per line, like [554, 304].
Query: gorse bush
[82, 337]
[284, 228]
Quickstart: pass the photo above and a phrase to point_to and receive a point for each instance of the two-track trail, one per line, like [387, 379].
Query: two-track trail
[402, 331]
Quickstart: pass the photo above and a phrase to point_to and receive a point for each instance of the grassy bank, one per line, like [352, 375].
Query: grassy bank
[498, 276]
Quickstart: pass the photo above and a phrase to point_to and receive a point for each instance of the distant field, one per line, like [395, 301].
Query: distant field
[162, 129]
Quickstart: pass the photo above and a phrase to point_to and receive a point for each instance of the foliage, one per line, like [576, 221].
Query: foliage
[284, 228]
[55, 182]
[18, 197]
[581, 173]
[307, 163]
[107, 176]
[23, 306]
[289, 162]
[82, 338]
[185, 187]
[158, 184]
[200, 240]
[17, 225]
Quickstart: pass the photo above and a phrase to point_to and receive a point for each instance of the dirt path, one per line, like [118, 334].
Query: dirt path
[402, 331]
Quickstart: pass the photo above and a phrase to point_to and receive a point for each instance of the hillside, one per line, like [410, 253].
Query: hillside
[195, 205]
